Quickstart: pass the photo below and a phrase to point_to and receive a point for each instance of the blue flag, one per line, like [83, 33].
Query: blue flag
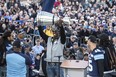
[47, 5]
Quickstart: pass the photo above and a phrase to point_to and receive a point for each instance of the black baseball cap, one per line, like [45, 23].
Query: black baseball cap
[17, 43]
[92, 38]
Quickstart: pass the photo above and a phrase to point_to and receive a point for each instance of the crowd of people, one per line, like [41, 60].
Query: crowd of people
[21, 33]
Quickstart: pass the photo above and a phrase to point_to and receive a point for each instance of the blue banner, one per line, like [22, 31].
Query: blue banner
[47, 5]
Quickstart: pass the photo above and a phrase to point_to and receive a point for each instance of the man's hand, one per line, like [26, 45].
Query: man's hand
[59, 22]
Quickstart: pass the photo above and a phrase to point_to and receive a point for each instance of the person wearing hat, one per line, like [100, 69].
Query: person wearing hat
[76, 52]
[72, 39]
[96, 58]
[55, 46]
[16, 61]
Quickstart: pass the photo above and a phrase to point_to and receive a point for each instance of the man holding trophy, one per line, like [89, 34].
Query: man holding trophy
[55, 46]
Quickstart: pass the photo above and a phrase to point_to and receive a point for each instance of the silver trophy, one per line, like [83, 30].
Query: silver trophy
[47, 18]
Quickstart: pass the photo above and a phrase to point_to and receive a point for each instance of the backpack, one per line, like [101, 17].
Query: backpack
[109, 59]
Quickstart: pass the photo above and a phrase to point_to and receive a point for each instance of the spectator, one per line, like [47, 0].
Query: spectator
[8, 38]
[55, 47]
[80, 54]
[20, 37]
[114, 42]
[85, 57]
[18, 62]
[36, 32]
[57, 3]
[30, 27]
[72, 39]
[109, 49]
[37, 49]
[30, 54]
[76, 52]
[96, 58]
[37, 62]
[6, 45]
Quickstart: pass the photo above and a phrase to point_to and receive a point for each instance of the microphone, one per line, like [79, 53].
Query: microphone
[58, 56]
[58, 64]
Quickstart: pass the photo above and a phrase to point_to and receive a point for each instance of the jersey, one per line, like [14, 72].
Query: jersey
[16, 64]
[95, 55]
